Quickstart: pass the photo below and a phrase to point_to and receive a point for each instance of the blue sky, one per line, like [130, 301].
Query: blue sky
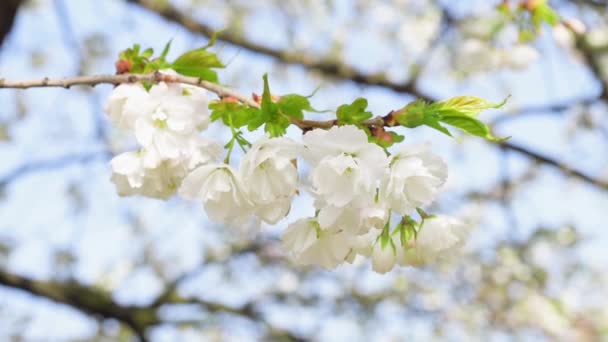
[75, 208]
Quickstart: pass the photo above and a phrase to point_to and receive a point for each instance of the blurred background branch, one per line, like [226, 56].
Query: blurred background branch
[147, 270]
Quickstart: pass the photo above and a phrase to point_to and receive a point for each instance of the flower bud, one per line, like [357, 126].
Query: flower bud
[411, 115]
[383, 256]
[123, 66]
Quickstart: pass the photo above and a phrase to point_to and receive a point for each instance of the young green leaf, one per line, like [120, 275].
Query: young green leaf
[232, 114]
[147, 53]
[471, 126]
[397, 138]
[212, 39]
[468, 105]
[270, 115]
[353, 113]
[275, 129]
[544, 13]
[199, 58]
[294, 105]
[163, 55]
[433, 122]
[198, 63]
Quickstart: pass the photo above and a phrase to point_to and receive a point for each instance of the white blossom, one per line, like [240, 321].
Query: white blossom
[309, 245]
[177, 115]
[521, 56]
[270, 177]
[126, 103]
[197, 151]
[202, 151]
[221, 191]
[132, 178]
[300, 235]
[415, 178]
[440, 236]
[406, 255]
[383, 256]
[354, 184]
[362, 244]
[346, 167]
[352, 219]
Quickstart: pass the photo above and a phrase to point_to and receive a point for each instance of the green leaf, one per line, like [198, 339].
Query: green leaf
[397, 138]
[198, 63]
[433, 122]
[156, 64]
[267, 104]
[544, 13]
[200, 58]
[258, 120]
[471, 126]
[147, 53]
[276, 129]
[212, 39]
[468, 105]
[504, 9]
[232, 114]
[526, 36]
[166, 49]
[276, 122]
[353, 113]
[294, 105]
[267, 109]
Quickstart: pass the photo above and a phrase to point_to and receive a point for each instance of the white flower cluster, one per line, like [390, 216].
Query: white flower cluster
[167, 121]
[356, 186]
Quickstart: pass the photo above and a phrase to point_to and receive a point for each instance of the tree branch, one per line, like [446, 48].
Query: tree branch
[51, 164]
[154, 77]
[327, 67]
[8, 12]
[556, 164]
[590, 59]
[227, 92]
[86, 299]
[99, 303]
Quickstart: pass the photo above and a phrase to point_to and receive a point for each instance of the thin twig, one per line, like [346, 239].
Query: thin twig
[154, 77]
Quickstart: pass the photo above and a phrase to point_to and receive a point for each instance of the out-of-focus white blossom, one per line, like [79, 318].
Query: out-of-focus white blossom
[563, 37]
[521, 56]
[440, 236]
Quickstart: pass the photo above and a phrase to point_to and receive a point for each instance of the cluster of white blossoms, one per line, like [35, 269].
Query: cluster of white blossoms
[357, 187]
